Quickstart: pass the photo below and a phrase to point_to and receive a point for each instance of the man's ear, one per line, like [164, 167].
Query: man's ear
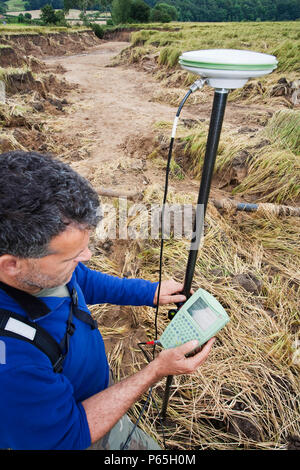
[10, 265]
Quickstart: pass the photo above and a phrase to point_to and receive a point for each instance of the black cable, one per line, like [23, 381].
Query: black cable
[148, 359]
[162, 216]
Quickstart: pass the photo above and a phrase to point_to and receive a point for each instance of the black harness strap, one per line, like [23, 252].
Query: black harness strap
[16, 326]
[81, 314]
[34, 334]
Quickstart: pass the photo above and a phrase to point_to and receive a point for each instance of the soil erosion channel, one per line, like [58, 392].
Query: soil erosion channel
[112, 103]
[114, 109]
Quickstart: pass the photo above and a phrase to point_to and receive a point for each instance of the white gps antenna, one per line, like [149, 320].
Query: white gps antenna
[227, 68]
[224, 70]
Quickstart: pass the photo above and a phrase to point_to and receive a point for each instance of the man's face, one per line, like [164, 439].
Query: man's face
[67, 250]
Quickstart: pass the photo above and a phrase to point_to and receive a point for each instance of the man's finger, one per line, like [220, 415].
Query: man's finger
[176, 286]
[172, 298]
[187, 347]
[202, 355]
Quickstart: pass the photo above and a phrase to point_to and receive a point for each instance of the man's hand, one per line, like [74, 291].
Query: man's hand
[104, 409]
[169, 293]
[173, 361]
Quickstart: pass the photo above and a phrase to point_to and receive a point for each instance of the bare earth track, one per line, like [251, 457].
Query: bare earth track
[113, 101]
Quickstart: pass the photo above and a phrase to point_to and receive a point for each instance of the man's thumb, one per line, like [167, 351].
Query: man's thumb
[188, 347]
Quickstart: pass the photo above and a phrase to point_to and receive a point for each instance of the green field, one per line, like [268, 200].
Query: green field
[15, 5]
[281, 39]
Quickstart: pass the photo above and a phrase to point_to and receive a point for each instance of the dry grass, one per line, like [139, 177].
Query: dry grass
[270, 159]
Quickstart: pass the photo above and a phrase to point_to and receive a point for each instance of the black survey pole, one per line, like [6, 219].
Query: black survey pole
[216, 121]
[215, 126]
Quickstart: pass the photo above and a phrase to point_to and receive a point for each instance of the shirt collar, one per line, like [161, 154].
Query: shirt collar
[33, 306]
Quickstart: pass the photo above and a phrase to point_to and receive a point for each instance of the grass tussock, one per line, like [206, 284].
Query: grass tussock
[284, 130]
[11, 113]
[7, 72]
[273, 176]
[270, 161]
[8, 142]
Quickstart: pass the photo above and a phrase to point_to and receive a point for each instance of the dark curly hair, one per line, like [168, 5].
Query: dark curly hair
[39, 197]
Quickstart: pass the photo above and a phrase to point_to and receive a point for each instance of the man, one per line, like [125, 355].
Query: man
[47, 212]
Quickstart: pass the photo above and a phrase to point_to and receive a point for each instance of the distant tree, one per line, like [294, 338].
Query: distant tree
[269, 10]
[38, 4]
[3, 8]
[61, 18]
[163, 13]
[140, 11]
[28, 6]
[26, 18]
[151, 3]
[105, 4]
[98, 30]
[120, 11]
[48, 14]
[288, 10]
[158, 16]
[82, 5]
[169, 9]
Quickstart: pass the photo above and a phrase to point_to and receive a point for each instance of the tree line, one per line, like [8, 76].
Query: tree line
[143, 11]
[235, 10]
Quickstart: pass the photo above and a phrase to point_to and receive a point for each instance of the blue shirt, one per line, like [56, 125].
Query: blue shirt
[40, 409]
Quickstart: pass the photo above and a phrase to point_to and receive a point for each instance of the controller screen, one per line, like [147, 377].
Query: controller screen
[202, 314]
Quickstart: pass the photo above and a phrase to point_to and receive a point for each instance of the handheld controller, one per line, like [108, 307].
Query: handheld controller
[201, 317]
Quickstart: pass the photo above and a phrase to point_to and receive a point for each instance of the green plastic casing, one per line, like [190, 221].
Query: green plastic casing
[211, 318]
